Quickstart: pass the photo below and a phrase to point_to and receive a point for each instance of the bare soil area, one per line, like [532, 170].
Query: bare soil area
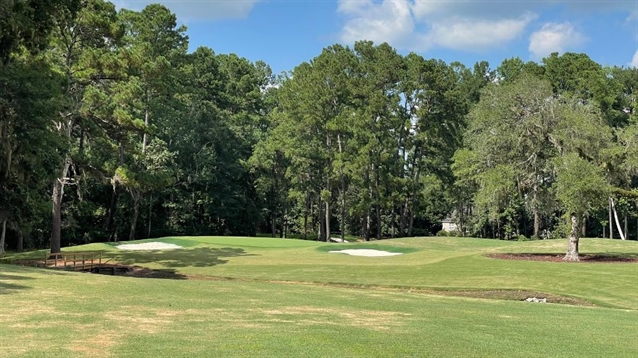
[584, 258]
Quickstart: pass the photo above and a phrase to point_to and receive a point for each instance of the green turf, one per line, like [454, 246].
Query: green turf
[50, 313]
[445, 263]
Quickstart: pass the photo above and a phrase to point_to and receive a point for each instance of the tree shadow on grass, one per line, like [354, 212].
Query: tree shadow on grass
[141, 272]
[4, 276]
[9, 287]
[196, 257]
[6, 288]
[137, 271]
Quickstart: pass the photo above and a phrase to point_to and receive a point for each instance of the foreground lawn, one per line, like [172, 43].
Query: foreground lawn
[65, 314]
[277, 297]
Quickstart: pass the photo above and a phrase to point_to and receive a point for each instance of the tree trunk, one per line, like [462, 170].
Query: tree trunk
[572, 241]
[379, 226]
[343, 193]
[328, 189]
[150, 215]
[343, 213]
[313, 217]
[284, 220]
[377, 184]
[3, 236]
[363, 227]
[110, 219]
[393, 221]
[611, 222]
[20, 234]
[613, 208]
[322, 220]
[283, 232]
[56, 213]
[368, 218]
[146, 115]
[136, 213]
[327, 202]
[537, 221]
[111, 229]
[305, 218]
[413, 204]
[626, 228]
[273, 224]
[368, 226]
[404, 208]
[56, 210]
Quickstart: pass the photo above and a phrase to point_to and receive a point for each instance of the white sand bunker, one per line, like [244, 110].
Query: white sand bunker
[149, 246]
[366, 252]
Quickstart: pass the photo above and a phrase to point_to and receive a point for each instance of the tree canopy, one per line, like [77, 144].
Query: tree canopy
[110, 128]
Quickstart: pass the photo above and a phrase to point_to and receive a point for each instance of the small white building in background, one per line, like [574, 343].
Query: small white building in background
[449, 225]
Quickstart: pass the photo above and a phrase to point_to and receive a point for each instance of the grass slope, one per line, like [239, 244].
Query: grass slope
[53, 313]
[443, 263]
[61, 314]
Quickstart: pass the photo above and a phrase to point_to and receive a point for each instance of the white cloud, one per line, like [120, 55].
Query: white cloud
[472, 25]
[477, 35]
[421, 25]
[499, 9]
[554, 37]
[353, 7]
[193, 10]
[389, 21]
[424, 9]
[634, 60]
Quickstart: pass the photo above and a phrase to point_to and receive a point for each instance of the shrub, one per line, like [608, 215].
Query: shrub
[453, 233]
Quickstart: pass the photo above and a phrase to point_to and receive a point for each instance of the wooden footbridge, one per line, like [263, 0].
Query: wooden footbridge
[88, 261]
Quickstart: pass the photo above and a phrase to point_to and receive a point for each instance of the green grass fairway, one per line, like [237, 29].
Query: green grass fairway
[277, 297]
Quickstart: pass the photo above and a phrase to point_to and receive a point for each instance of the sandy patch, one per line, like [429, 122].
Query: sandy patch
[367, 252]
[305, 315]
[149, 246]
[97, 345]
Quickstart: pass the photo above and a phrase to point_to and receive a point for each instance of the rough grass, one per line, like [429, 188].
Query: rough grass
[274, 297]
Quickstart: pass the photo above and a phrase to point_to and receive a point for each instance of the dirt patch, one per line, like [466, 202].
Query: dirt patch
[584, 258]
[516, 295]
[96, 346]
[136, 271]
[141, 323]
[143, 272]
[307, 315]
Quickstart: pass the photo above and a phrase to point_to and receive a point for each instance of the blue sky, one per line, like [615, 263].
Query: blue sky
[285, 33]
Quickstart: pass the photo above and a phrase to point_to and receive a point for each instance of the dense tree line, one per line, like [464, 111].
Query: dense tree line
[110, 129]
